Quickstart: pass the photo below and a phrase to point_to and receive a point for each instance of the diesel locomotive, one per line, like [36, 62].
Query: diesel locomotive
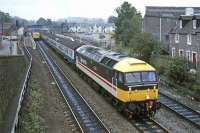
[131, 84]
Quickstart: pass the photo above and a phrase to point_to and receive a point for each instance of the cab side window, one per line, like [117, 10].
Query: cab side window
[120, 77]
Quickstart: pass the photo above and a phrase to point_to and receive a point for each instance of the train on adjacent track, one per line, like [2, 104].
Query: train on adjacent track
[131, 84]
[36, 35]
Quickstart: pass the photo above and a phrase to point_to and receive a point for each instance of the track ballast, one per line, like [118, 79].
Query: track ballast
[182, 110]
[86, 118]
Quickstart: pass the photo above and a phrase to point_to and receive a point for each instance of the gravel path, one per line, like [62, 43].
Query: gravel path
[112, 119]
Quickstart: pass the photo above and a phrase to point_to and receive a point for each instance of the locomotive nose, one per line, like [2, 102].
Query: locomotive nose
[147, 97]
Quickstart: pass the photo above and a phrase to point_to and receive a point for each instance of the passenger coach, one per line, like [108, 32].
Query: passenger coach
[65, 47]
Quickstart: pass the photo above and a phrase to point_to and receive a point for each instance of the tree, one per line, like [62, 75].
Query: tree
[49, 22]
[41, 21]
[128, 23]
[111, 19]
[17, 23]
[128, 33]
[143, 45]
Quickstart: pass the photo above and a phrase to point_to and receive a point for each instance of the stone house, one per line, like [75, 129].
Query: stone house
[185, 39]
[159, 20]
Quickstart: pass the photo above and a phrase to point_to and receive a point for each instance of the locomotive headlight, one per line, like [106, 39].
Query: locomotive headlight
[147, 97]
[154, 88]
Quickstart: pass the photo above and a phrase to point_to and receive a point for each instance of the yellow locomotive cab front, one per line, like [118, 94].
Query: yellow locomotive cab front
[137, 95]
[137, 84]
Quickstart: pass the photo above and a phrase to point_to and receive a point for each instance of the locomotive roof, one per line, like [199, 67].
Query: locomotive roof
[65, 41]
[114, 60]
[132, 64]
[98, 54]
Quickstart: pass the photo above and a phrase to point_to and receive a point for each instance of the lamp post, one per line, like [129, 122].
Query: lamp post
[1, 15]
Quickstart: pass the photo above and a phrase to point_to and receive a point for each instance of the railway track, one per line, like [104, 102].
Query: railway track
[86, 118]
[147, 125]
[180, 109]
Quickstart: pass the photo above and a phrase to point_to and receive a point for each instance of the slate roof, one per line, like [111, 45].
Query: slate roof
[188, 27]
[169, 12]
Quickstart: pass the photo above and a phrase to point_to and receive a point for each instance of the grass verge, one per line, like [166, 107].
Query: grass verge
[30, 119]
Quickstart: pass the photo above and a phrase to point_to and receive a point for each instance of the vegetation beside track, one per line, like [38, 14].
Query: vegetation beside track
[175, 74]
[31, 120]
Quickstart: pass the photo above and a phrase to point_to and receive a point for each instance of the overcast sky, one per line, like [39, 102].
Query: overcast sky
[55, 9]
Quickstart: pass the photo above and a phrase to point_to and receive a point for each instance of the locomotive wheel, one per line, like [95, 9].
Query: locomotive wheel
[115, 102]
[121, 107]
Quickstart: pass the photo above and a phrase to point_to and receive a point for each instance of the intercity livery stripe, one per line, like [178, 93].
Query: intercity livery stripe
[103, 82]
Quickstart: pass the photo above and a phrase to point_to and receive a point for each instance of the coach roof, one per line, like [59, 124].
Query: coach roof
[65, 41]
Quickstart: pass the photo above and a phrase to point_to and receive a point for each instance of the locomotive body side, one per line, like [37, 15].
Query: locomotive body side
[116, 76]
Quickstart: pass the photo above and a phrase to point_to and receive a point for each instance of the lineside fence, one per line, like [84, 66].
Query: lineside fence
[23, 89]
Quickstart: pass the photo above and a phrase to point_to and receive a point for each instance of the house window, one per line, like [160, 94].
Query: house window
[176, 38]
[188, 55]
[194, 24]
[167, 37]
[173, 52]
[181, 24]
[189, 39]
[181, 52]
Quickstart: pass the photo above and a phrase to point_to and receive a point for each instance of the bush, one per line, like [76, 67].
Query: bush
[161, 63]
[196, 91]
[178, 71]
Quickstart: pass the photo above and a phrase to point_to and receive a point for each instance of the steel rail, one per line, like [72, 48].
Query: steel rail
[85, 117]
[149, 125]
[180, 109]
